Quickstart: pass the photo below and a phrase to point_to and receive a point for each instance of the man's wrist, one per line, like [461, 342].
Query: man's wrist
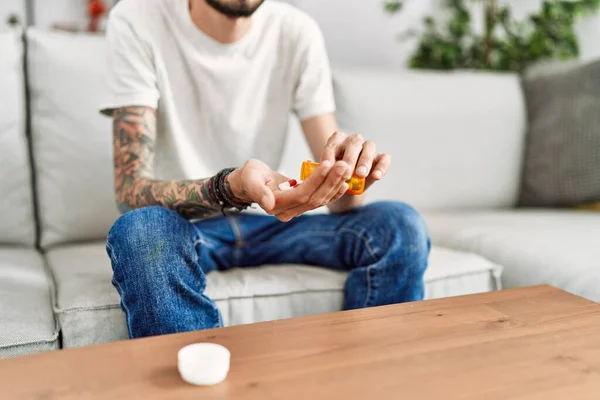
[234, 185]
[219, 190]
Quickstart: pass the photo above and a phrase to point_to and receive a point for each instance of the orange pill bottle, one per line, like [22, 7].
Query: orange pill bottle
[356, 185]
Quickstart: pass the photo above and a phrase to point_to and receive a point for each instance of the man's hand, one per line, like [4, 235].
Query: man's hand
[255, 182]
[360, 154]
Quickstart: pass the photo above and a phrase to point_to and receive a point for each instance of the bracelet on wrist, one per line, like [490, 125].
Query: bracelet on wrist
[220, 191]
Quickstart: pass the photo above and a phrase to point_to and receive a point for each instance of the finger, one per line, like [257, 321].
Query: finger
[340, 192]
[290, 214]
[301, 194]
[382, 165]
[352, 150]
[257, 189]
[365, 161]
[334, 143]
[330, 187]
[335, 191]
[264, 197]
[322, 196]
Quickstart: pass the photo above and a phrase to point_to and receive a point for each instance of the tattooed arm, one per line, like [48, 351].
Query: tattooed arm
[134, 135]
[134, 130]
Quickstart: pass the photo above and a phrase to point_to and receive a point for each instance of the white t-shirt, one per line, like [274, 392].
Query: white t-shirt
[219, 105]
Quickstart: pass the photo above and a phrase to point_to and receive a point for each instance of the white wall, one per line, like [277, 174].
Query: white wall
[8, 7]
[48, 12]
[357, 31]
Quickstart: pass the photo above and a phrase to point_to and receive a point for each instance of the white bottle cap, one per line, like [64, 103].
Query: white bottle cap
[203, 363]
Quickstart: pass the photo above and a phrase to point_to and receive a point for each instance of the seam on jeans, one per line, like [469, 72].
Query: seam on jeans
[204, 243]
[199, 238]
[127, 316]
[365, 241]
[196, 230]
[218, 315]
[239, 240]
[111, 252]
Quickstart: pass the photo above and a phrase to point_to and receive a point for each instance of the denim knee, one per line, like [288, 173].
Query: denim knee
[396, 226]
[140, 241]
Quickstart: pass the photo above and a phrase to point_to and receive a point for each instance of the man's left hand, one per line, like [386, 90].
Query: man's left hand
[360, 154]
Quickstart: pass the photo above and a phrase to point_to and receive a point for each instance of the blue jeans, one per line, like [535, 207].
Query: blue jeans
[160, 260]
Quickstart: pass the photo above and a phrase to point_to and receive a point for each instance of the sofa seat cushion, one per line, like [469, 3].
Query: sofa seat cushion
[27, 323]
[560, 248]
[89, 312]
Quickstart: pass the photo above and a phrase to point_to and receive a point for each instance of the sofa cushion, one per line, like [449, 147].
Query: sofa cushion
[562, 157]
[445, 132]
[17, 224]
[72, 141]
[89, 312]
[560, 248]
[26, 320]
[456, 273]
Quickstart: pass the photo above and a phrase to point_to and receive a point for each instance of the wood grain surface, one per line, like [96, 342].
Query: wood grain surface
[533, 343]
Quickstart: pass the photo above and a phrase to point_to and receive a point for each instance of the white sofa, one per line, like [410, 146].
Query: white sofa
[456, 139]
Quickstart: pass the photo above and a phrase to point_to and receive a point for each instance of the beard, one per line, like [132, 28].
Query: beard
[235, 8]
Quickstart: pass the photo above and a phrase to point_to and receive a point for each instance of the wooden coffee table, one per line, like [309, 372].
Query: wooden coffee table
[533, 343]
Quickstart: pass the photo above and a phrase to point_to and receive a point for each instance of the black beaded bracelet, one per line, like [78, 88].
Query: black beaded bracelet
[220, 191]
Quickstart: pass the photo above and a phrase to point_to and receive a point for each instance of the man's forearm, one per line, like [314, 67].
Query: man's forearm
[134, 133]
[189, 198]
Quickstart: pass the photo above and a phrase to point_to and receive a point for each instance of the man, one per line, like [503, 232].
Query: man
[201, 92]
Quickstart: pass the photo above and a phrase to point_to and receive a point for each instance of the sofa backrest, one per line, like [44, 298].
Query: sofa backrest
[456, 138]
[17, 223]
[71, 140]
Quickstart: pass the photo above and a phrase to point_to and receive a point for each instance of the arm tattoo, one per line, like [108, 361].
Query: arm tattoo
[134, 134]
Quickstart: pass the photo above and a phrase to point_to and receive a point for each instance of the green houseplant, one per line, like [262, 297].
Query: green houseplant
[13, 20]
[506, 44]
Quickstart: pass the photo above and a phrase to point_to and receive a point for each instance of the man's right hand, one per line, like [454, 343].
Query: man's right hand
[256, 183]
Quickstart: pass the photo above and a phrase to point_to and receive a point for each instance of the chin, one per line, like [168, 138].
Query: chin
[235, 8]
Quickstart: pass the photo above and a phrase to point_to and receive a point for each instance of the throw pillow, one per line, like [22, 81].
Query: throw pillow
[562, 157]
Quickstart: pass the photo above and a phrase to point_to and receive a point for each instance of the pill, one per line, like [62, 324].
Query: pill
[285, 186]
